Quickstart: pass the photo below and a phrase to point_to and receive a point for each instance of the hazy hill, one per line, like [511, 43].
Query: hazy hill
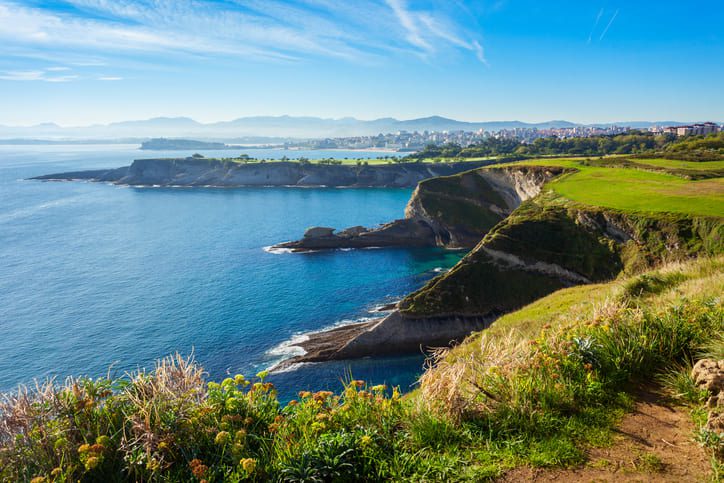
[277, 126]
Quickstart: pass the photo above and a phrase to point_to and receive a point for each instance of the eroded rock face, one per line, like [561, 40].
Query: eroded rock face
[318, 232]
[708, 374]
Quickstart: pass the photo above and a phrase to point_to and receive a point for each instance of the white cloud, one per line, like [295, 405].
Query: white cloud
[35, 75]
[608, 26]
[109, 78]
[256, 29]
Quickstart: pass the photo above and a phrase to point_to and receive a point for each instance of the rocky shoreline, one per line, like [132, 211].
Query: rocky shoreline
[202, 172]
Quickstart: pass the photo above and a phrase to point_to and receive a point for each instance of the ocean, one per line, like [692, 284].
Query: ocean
[98, 279]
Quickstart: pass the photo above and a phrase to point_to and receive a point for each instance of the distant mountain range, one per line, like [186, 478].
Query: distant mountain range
[276, 127]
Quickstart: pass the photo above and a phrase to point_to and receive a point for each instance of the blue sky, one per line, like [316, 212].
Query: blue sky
[80, 62]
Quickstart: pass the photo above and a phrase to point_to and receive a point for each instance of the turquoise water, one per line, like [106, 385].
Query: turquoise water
[95, 277]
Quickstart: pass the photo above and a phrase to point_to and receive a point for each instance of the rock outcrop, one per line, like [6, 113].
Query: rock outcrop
[220, 173]
[544, 244]
[448, 211]
[708, 374]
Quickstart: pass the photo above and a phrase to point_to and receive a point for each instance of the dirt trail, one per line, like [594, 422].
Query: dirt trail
[652, 444]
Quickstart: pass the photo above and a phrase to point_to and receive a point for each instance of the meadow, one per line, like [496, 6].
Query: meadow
[640, 190]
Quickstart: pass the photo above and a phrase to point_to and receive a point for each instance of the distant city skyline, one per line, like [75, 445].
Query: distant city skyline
[82, 62]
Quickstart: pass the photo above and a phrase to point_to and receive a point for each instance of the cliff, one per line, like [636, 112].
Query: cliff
[448, 211]
[545, 243]
[222, 173]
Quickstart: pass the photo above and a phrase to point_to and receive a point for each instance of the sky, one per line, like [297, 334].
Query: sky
[80, 62]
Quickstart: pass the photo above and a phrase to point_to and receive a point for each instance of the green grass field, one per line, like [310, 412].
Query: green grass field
[629, 189]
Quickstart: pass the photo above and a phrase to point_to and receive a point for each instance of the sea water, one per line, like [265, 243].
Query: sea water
[99, 279]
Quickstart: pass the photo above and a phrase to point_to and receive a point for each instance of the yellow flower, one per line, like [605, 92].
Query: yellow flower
[239, 379]
[249, 464]
[304, 394]
[240, 435]
[262, 375]
[153, 465]
[365, 440]
[222, 438]
[92, 462]
[84, 448]
[357, 383]
[39, 479]
[104, 440]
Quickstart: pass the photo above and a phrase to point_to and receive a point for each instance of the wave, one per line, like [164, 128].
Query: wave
[32, 210]
[290, 348]
[276, 250]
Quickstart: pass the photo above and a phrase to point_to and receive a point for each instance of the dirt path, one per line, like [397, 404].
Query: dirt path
[653, 444]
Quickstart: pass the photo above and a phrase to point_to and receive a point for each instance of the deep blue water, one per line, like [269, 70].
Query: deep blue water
[94, 275]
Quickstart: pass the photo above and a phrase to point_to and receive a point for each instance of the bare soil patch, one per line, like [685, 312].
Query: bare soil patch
[654, 443]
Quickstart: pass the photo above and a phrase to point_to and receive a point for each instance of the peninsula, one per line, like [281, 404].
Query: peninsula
[200, 171]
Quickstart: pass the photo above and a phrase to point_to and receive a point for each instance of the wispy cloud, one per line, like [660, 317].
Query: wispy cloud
[46, 75]
[109, 78]
[595, 24]
[267, 30]
[608, 26]
[428, 32]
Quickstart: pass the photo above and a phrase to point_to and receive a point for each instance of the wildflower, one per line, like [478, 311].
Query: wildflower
[213, 385]
[365, 440]
[240, 380]
[92, 463]
[39, 479]
[322, 396]
[97, 448]
[322, 417]
[56, 471]
[273, 427]
[249, 464]
[588, 366]
[240, 435]
[84, 448]
[554, 376]
[395, 394]
[379, 388]
[60, 443]
[293, 403]
[279, 418]
[228, 382]
[248, 421]
[222, 438]
[198, 468]
[153, 465]
[162, 445]
[262, 375]
[546, 326]
[304, 394]
[103, 440]
[357, 383]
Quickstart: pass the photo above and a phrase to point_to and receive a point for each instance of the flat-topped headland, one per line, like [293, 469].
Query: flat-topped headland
[225, 173]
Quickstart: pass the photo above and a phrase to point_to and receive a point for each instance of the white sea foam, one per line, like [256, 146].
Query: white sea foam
[277, 250]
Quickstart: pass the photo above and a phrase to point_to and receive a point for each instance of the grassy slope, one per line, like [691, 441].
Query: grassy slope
[669, 217]
[639, 190]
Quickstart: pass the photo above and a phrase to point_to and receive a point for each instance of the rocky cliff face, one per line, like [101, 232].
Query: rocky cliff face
[544, 244]
[209, 172]
[448, 211]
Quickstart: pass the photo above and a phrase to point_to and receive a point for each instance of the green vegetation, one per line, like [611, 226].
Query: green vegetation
[504, 398]
[693, 148]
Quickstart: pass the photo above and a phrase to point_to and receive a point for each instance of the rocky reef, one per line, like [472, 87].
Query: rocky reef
[221, 173]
